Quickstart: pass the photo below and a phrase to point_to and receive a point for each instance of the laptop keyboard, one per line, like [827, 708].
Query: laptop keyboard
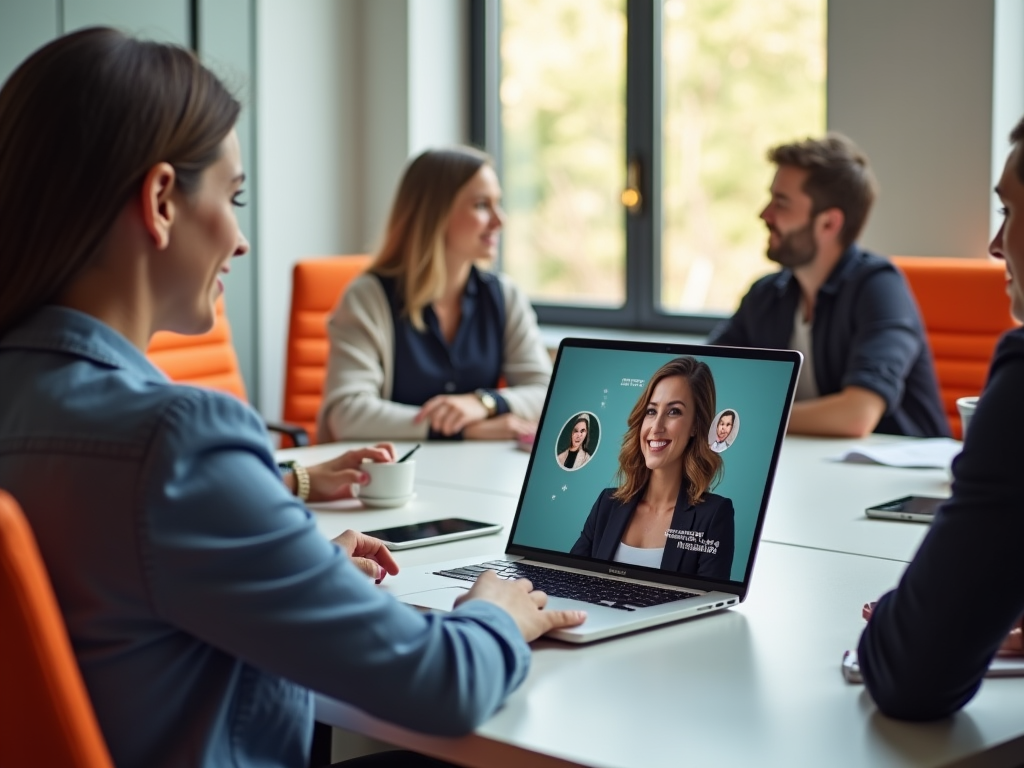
[576, 586]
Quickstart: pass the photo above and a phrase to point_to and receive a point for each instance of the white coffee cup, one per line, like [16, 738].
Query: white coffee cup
[393, 480]
[966, 406]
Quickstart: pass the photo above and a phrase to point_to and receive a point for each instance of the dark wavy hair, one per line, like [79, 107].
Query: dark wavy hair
[702, 467]
[584, 417]
[82, 121]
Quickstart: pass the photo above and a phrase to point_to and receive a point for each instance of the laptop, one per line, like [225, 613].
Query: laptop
[574, 521]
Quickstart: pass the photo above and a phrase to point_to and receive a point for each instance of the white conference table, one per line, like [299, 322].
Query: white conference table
[819, 502]
[816, 501]
[755, 685]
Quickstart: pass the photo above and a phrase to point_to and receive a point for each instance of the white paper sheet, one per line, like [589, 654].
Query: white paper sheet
[926, 453]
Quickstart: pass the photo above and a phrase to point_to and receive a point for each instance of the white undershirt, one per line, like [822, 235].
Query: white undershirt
[639, 555]
[806, 386]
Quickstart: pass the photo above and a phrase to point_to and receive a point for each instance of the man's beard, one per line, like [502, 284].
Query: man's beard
[796, 249]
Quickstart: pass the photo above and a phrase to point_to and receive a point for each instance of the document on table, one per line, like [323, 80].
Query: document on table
[926, 453]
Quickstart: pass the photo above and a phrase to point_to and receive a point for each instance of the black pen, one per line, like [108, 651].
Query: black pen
[410, 453]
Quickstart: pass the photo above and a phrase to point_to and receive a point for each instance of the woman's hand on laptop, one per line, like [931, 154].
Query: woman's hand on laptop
[524, 604]
[339, 477]
[368, 554]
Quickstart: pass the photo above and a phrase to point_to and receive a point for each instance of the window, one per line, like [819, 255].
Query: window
[677, 100]
[563, 117]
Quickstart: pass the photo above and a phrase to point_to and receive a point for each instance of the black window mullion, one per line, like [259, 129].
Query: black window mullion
[485, 76]
[643, 113]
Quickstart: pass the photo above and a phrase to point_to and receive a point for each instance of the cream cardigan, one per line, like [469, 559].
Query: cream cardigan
[360, 366]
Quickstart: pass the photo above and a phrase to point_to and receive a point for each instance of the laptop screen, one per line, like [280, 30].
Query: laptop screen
[598, 482]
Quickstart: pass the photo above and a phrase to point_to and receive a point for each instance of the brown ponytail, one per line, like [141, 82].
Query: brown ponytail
[81, 122]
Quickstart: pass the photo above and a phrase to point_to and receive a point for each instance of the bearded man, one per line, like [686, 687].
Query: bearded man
[867, 366]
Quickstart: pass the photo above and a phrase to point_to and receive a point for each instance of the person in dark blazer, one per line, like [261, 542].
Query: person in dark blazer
[959, 603]
[663, 515]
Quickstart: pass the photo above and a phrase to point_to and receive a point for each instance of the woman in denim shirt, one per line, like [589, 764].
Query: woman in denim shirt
[201, 601]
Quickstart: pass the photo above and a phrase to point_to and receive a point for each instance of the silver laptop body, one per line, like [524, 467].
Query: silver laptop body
[604, 379]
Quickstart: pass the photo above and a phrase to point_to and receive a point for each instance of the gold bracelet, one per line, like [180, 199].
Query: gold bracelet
[301, 479]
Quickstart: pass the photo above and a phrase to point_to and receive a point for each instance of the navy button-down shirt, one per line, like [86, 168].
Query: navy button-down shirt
[427, 365]
[867, 333]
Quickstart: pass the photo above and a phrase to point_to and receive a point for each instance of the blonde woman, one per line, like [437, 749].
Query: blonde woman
[428, 344]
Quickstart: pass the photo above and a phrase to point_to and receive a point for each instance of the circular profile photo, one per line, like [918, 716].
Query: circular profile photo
[724, 430]
[577, 441]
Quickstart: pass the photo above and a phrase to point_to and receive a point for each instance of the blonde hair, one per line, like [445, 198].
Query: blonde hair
[413, 251]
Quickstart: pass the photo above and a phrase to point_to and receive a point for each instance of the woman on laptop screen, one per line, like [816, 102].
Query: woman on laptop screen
[663, 515]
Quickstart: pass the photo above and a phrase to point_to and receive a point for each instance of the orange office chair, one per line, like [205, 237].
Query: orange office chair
[210, 360]
[206, 360]
[317, 285]
[45, 711]
[965, 309]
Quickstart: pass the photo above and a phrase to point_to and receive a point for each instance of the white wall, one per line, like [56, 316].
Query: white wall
[307, 71]
[414, 64]
[1007, 88]
[911, 82]
[347, 90]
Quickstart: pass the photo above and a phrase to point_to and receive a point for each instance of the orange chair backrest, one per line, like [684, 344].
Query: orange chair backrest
[965, 309]
[207, 360]
[45, 711]
[317, 285]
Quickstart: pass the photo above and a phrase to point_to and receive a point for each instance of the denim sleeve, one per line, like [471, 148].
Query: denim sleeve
[233, 558]
[888, 337]
[926, 648]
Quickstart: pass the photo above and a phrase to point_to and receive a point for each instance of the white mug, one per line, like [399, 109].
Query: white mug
[392, 480]
[966, 406]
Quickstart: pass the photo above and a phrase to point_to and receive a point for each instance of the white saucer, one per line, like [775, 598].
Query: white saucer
[387, 503]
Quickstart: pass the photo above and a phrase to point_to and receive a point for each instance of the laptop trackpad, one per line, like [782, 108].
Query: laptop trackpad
[436, 599]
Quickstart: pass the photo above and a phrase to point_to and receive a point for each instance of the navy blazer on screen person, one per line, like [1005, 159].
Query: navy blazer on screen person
[714, 517]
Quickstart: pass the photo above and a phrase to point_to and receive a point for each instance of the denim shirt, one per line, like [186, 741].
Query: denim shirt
[201, 601]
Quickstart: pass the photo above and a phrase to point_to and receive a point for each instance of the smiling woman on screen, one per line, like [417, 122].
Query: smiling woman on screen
[663, 514]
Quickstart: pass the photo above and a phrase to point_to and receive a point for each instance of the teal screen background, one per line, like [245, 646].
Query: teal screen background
[607, 383]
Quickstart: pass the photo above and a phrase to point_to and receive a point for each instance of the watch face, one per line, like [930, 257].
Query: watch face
[488, 401]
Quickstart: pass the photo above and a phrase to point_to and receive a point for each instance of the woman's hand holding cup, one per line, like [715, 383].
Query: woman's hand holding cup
[343, 476]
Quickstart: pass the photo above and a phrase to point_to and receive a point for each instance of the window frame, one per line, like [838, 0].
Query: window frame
[641, 309]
